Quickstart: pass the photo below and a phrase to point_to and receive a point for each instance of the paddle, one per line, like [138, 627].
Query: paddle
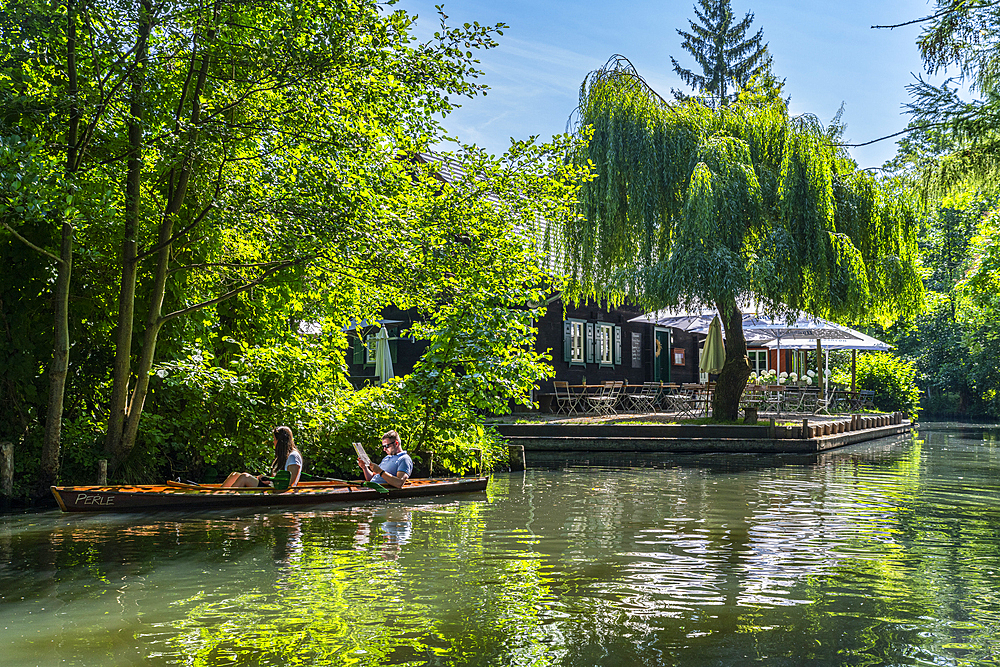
[281, 480]
[371, 485]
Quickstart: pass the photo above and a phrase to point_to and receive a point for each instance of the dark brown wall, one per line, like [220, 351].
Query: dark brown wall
[550, 338]
[408, 351]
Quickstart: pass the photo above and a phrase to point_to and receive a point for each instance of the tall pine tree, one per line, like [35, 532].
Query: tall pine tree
[726, 58]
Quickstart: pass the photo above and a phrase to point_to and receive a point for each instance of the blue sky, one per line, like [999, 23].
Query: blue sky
[826, 51]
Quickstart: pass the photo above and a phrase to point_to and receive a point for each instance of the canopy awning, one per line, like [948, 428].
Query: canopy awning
[364, 324]
[758, 328]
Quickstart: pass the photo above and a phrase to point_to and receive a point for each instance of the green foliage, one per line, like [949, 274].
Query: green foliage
[694, 205]
[364, 415]
[891, 378]
[267, 173]
[964, 36]
[727, 59]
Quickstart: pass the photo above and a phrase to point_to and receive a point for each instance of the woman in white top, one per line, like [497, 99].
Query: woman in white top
[284, 451]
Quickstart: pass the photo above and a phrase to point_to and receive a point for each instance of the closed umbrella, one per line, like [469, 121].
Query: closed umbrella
[383, 357]
[713, 357]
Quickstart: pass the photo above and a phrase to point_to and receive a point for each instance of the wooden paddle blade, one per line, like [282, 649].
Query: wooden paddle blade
[281, 480]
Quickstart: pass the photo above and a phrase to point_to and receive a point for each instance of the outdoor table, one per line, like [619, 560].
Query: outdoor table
[583, 392]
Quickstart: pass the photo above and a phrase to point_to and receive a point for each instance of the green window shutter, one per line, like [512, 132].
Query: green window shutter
[567, 341]
[393, 350]
[618, 345]
[589, 343]
[359, 351]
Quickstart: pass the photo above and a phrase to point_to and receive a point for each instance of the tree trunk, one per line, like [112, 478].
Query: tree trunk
[735, 373]
[126, 295]
[59, 366]
[178, 185]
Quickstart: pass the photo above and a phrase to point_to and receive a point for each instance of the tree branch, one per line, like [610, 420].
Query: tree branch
[895, 134]
[30, 244]
[230, 294]
[932, 16]
[233, 265]
[155, 249]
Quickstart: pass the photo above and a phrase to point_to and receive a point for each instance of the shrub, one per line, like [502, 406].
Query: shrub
[364, 415]
[892, 379]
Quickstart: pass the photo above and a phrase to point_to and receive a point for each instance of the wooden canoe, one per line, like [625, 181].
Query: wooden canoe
[180, 496]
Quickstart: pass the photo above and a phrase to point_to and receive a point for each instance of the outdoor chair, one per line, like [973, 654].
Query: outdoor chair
[866, 398]
[793, 398]
[603, 402]
[565, 400]
[643, 398]
[823, 403]
[752, 397]
[681, 401]
[774, 394]
[810, 400]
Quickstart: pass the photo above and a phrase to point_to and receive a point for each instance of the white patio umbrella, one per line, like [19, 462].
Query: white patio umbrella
[383, 356]
[758, 328]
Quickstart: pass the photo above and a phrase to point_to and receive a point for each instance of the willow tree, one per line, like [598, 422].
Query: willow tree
[697, 206]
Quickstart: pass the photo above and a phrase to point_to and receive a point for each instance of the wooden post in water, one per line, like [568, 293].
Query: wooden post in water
[805, 428]
[7, 469]
[770, 429]
[516, 454]
[102, 472]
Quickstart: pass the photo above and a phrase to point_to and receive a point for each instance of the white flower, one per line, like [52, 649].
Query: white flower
[809, 380]
[783, 374]
[811, 373]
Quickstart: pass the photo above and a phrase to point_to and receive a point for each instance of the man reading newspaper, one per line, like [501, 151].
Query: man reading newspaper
[394, 469]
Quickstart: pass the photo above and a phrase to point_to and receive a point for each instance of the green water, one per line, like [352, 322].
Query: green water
[881, 554]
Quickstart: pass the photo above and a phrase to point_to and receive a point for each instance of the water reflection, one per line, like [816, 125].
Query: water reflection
[888, 553]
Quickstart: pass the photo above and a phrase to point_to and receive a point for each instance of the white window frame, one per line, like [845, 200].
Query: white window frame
[576, 333]
[755, 357]
[605, 344]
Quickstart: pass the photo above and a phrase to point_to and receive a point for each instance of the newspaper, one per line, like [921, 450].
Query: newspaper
[362, 454]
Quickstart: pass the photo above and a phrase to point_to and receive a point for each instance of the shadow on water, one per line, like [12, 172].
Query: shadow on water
[883, 450]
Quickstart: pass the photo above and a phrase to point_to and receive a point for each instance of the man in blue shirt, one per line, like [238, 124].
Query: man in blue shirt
[395, 468]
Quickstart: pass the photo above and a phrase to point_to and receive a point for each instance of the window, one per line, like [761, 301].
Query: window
[758, 360]
[576, 342]
[605, 342]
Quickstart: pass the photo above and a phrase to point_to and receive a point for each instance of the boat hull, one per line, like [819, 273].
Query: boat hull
[144, 498]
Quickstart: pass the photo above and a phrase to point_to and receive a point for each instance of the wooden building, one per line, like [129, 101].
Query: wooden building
[589, 343]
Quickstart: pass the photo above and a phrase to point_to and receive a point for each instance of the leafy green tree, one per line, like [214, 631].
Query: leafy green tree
[38, 184]
[720, 47]
[964, 36]
[892, 378]
[979, 310]
[225, 146]
[694, 205]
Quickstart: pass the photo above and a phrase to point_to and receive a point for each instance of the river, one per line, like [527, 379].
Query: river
[886, 553]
